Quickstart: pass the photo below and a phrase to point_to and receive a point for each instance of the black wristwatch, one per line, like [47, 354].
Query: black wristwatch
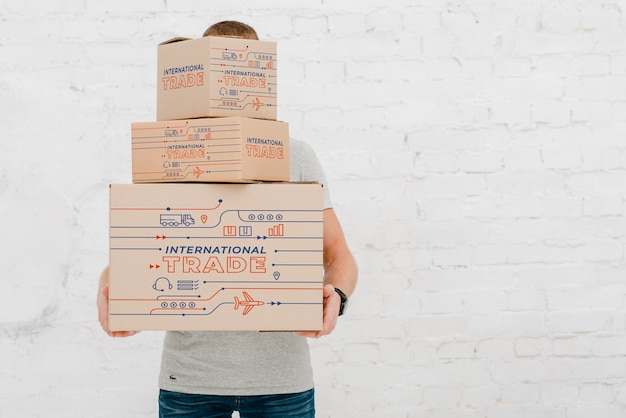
[344, 301]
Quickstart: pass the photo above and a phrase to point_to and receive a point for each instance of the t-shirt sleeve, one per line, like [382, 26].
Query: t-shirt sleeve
[305, 166]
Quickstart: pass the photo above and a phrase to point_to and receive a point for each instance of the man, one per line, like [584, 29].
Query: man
[259, 374]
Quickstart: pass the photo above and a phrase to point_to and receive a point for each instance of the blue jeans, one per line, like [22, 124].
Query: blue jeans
[179, 405]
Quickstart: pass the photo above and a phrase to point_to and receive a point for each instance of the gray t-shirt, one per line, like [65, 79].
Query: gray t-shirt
[244, 362]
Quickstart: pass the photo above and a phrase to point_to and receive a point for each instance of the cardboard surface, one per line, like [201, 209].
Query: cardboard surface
[216, 77]
[216, 256]
[210, 150]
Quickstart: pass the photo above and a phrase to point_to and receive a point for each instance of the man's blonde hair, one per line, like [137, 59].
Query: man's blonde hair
[231, 28]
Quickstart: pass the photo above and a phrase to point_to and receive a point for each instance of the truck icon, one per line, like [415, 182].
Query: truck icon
[175, 219]
[229, 55]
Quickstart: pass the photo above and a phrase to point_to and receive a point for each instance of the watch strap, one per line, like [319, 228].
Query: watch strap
[344, 301]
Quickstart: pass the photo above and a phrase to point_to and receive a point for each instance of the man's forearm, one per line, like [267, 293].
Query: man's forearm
[342, 272]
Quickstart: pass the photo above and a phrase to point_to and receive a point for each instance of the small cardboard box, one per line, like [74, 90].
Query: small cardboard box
[234, 150]
[216, 76]
[216, 257]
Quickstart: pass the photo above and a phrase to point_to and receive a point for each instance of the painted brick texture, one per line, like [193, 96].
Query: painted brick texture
[477, 159]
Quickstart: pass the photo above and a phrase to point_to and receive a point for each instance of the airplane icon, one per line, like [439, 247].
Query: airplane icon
[257, 104]
[249, 303]
[197, 172]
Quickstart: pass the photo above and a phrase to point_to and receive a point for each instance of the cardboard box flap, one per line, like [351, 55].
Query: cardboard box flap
[175, 39]
[182, 38]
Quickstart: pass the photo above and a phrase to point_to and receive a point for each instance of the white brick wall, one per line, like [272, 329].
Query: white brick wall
[477, 158]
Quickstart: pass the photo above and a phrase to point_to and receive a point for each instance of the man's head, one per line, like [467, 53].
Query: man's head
[231, 28]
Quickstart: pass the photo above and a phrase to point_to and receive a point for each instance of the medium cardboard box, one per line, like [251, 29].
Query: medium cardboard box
[216, 256]
[216, 76]
[210, 150]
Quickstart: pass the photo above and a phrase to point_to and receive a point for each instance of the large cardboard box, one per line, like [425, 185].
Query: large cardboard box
[216, 256]
[210, 150]
[216, 76]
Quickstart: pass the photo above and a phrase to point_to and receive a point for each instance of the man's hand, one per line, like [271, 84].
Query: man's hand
[103, 307]
[332, 302]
